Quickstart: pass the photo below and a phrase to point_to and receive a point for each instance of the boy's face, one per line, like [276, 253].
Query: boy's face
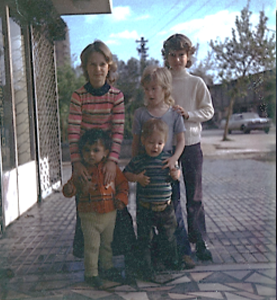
[177, 59]
[154, 93]
[93, 154]
[97, 69]
[154, 143]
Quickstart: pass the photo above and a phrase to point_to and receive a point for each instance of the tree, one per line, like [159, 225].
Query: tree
[204, 69]
[249, 51]
[68, 82]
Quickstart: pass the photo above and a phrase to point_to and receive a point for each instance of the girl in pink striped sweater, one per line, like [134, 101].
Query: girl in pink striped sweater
[97, 104]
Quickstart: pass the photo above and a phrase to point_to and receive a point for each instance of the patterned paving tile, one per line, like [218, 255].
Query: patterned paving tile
[237, 274]
[134, 296]
[258, 278]
[265, 291]
[180, 296]
[210, 295]
[200, 276]
[214, 287]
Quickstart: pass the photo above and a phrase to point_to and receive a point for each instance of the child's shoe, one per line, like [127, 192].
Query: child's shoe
[188, 262]
[94, 281]
[111, 274]
[202, 251]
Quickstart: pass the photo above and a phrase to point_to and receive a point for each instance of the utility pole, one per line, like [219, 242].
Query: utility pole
[142, 50]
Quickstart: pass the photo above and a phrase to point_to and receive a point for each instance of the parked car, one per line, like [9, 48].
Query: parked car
[246, 122]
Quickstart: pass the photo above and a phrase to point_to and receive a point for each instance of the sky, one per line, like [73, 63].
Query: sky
[156, 20]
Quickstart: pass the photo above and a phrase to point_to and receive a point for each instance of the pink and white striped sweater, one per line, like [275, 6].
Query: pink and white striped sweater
[96, 108]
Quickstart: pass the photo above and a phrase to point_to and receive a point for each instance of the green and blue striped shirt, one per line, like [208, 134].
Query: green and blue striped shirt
[159, 189]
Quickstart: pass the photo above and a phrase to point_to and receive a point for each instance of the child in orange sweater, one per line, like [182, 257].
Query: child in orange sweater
[97, 205]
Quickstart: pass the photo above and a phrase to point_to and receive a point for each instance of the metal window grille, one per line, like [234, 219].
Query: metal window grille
[49, 147]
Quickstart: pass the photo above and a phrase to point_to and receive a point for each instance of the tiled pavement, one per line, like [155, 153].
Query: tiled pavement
[240, 215]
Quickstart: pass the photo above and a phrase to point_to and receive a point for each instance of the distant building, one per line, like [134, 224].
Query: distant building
[62, 50]
[260, 96]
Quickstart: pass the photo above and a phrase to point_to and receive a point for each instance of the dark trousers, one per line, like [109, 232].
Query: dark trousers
[165, 222]
[192, 163]
[183, 244]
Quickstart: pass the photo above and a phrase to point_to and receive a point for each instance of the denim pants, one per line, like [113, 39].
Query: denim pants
[192, 163]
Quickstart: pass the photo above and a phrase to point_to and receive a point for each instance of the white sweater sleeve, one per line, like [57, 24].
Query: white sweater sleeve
[204, 110]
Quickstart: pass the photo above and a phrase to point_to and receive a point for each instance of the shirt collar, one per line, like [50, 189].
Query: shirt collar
[97, 92]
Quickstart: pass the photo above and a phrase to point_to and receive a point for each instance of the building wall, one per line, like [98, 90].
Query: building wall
[30, 152]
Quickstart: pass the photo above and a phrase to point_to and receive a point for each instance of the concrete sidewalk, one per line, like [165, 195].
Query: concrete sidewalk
[240, 209]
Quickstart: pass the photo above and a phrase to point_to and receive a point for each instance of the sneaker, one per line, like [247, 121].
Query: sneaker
[94, 281]
[188, 262]
[202, 251]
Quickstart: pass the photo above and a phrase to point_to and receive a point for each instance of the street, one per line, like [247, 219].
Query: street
[256, 144]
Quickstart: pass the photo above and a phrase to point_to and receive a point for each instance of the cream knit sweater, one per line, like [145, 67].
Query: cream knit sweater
[192, 94]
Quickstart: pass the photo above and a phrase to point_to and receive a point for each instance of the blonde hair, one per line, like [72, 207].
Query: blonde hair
[102, 48]
[162, 77]
[178, 42]
[152, 125]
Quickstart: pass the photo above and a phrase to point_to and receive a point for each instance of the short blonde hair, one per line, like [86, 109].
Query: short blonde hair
[163, 77]
[100, 47]
[178, 42]
[152, 125]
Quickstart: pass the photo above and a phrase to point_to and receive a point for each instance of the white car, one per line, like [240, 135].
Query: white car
[246, 122]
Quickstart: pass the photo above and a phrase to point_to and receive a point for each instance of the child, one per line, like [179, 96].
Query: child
[97, 104]
[195, 105]
[157, 87]
[97, 204]
[154, 194]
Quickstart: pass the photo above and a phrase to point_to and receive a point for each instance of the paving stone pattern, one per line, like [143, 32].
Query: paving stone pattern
[239, 197]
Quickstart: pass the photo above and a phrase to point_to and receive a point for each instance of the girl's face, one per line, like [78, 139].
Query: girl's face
[97, 69]
[154, 143]
[93, 154]
[154, 94]
[177, 59]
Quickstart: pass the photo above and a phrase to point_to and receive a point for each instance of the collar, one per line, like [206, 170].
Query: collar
[151, 157]
[100, 165]
[181, 73]
[97, 92]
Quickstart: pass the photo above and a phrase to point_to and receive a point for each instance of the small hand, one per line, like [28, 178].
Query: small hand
[142, 179]
[169, 163]
[69, 189]
[119, 205]
[181, 111]
[175, 173]
[109, 172]
[80, 173]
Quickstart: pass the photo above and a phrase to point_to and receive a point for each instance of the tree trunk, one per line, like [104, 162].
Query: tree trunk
[230, 111]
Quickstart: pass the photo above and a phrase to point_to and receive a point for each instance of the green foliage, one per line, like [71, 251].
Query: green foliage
[68, 82]
[248, 51]
[41, 14]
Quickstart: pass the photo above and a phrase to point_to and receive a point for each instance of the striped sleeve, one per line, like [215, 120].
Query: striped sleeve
[118, 119]
[74, 126]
